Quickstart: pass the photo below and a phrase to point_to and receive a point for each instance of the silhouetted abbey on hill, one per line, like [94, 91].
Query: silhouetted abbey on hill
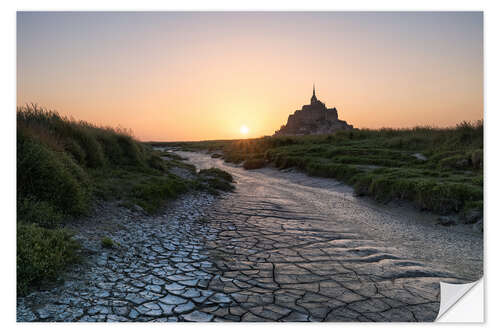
[314, 118]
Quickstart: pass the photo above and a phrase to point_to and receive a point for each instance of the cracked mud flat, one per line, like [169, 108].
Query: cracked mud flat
[282, 247]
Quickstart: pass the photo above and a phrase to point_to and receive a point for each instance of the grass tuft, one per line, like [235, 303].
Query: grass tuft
[254, 163]
[107, 243]
[42, 255]
[215, 180]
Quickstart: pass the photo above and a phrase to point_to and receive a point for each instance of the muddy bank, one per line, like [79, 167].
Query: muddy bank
[281, 247]
[415, 233]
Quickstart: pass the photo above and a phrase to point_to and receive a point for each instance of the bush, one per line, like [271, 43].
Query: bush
[333, 170]
[216, 173]
[90, 145]
[94, 154]
[51, 177]
[173, 156]
[131, 151]
[107, 243]
[42, 254]
[42, 213]
[76, 151]
[255, 163]
[234, 158]
[218, 184]
[152, 194]
[156, 162]
[112, 150]
[426, 193]
[215, 180]
[476, 157]
[472, 212]
[459, 162]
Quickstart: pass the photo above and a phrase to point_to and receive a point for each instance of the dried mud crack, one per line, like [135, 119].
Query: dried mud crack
[262, 253]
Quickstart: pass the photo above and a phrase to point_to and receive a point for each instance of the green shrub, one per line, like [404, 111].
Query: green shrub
[173, 156]
[91, 146]
[332, 170]
[112, 150]
[156, 162]
[219, 184]
[216, 173]
[362, 184]
[472, 212]
[107, 243]
[255, 163]
[234, 158]
[476, 158]
[152, 194]
[427, 193]
[214, 180]
[94, 155]
[51, 177]
[76, 151]
[131, 150]
[42, 255]
[407, 142]
[42, 213]
[459, 162]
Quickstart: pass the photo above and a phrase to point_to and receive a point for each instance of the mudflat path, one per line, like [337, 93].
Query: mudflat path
[293, 247]
[282, 247]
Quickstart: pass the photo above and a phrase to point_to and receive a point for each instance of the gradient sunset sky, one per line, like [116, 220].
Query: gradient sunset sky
[202, 75]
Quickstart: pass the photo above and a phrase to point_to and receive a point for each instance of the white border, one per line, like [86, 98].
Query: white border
[8, 91]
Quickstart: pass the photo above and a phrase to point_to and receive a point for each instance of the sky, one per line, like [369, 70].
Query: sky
[173, 76]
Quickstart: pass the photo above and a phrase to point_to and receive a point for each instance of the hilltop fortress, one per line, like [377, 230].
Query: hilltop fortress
[314, 118]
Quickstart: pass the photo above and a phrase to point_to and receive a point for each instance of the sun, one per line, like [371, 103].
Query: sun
[244, 129]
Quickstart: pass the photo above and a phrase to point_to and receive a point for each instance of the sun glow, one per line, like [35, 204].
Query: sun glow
[244, 129]
[213, 75]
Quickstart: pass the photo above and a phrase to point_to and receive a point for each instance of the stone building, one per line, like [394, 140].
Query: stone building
[314, 118]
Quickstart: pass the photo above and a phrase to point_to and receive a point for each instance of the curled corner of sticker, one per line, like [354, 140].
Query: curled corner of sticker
[454, 299]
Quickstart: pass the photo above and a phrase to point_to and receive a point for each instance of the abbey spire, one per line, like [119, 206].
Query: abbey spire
[313, 98]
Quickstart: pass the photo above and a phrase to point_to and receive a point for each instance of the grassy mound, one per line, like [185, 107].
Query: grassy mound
[51, 177]
[62, 166]
[42, 254]
[254, 163]
[216, 179]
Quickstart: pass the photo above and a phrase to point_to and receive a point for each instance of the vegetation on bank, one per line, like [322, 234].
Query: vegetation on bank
[210, 145]
[63, 165]
[439, 169]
